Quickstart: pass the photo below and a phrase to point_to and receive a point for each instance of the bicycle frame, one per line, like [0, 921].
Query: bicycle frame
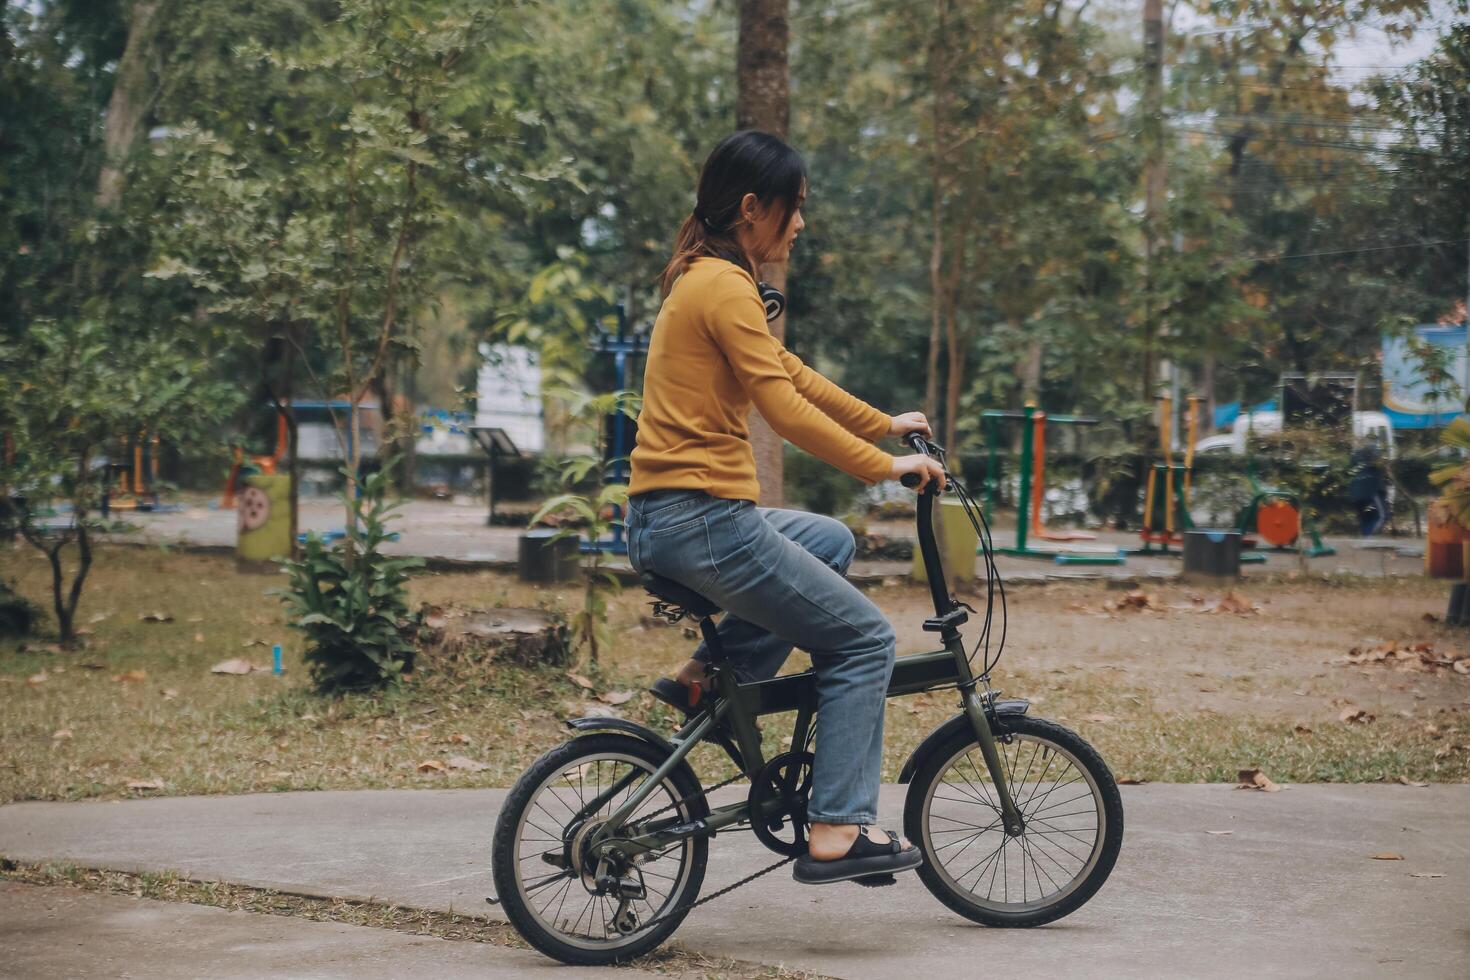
[743, 703]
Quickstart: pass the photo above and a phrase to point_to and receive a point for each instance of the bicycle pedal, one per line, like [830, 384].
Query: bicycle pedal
[875, 881]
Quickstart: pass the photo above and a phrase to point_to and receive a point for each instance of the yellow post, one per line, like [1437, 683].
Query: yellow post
[1193, 423]
[1166, 429]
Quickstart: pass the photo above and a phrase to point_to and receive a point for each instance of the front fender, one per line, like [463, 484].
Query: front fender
[607, 724]
[946, 731]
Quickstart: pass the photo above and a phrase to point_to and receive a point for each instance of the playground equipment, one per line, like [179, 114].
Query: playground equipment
[258, 465]
[1029, 522]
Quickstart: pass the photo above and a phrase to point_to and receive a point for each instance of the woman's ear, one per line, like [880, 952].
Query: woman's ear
[750, 206]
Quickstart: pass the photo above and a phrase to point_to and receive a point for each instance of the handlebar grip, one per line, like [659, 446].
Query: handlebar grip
[910, 480]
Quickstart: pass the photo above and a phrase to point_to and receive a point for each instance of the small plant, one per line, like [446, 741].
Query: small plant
[591, 511]
[351, 601]
[1453, 479]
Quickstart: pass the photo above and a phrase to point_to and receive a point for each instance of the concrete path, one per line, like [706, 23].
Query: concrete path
[66, 932]
[456, 534]
[1290, 891]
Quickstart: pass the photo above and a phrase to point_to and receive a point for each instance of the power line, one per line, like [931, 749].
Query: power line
[1357, 251]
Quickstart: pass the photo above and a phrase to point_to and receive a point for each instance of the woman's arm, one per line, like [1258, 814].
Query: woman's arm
[737, 323]
[853, 414]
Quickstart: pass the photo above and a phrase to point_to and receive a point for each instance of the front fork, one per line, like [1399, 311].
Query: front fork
[974, 704]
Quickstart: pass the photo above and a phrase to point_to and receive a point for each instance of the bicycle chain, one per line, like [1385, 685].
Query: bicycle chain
[743, 881]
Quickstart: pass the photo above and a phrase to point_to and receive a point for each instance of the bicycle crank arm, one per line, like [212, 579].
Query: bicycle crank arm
[1010, 815]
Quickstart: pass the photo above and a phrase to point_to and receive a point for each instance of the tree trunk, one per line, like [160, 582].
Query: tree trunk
[1031, 371]
[763, 101]
[128, 103]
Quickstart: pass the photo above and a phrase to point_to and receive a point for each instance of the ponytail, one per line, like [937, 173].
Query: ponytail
[696, 239]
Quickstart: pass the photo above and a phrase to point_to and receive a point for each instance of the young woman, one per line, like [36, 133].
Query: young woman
[691, 517]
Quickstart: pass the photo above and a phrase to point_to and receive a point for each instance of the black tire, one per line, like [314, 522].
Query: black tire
[1033, 742]
[508, 860]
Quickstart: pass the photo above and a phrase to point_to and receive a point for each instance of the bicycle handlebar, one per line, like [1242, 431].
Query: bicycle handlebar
[918, 444]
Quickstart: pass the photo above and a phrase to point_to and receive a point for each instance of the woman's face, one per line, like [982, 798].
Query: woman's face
[763, 235]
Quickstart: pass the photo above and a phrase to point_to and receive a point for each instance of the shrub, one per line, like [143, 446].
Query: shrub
[351, 601]
[18, 615]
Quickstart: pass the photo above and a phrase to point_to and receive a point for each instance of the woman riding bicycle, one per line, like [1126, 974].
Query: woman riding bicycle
[692, 516]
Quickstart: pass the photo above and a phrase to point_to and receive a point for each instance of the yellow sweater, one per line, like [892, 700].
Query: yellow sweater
[710, 357]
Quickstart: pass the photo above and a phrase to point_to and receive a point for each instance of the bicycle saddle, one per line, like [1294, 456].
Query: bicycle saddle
[675, 594]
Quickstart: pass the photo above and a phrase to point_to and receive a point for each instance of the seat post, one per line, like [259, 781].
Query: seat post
[712, 638]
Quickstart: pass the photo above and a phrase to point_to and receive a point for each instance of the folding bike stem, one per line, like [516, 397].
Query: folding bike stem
[947, 619]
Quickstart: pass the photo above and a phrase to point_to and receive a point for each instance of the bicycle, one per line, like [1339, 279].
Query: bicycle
[600, 848]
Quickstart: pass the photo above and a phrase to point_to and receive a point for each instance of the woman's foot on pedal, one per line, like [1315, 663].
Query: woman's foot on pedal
[866, 858]
[685, 698]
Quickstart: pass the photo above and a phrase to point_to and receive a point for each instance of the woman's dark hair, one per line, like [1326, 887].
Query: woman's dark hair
[747, 162]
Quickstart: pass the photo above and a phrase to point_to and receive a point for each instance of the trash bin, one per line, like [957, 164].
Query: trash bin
[543, 560]
[263, 521]
[1211, 554]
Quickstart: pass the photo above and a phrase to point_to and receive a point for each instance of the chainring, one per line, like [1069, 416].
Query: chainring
[787, 779]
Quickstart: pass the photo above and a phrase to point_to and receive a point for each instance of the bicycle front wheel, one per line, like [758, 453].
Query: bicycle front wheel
[1069, 803]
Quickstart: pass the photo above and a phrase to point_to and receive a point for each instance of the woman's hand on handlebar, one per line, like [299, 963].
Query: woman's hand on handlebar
[902, 425]
[916, 471]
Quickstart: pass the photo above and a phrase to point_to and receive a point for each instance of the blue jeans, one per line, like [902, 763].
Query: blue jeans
[779, 576]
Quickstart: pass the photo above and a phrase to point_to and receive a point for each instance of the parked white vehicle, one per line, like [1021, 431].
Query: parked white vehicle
[1368, 427]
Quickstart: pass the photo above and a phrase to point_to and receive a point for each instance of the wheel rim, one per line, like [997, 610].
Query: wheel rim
[557, 895]
[1060, 802]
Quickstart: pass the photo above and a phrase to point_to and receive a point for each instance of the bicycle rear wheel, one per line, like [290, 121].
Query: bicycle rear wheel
[1069, 803]
[546, 872]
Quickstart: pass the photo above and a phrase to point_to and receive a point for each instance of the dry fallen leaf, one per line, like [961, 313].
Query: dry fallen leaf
[40, 678]
[146, 784]
[1426, 874]
[615, 697]
[1354, 715]
[1302, 728]
[131, 676]
[459, 738]
[1386, 856]
[579, 680]
[1234, 602]
[235, 666]
[1411, 782]
[155, 617]
[62, 733]
[169, 693]
[99, 617]
[1255, 779]
[1101, 719]
[467, 764]
[1131, 781]
[431, 765]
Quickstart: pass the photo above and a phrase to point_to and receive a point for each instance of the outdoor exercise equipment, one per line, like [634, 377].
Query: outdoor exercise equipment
[132, 482]
[1275, 515]
[1166, 495]
[1029, 522]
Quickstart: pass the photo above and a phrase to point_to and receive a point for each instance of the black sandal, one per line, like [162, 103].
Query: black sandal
[864, 860]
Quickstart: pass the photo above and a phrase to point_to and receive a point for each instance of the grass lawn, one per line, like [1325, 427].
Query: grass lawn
[1165, 694]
